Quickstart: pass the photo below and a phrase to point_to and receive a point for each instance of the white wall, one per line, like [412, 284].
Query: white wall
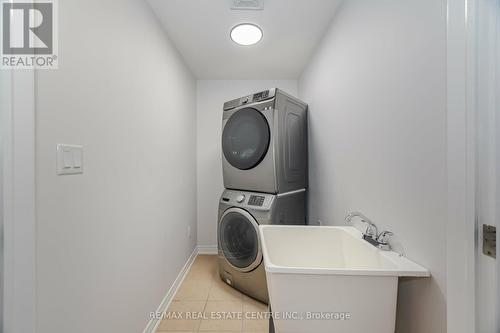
[376, 89]
[110, 242]
[211, 96]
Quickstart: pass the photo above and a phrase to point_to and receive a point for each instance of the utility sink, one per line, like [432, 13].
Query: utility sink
[328, 279]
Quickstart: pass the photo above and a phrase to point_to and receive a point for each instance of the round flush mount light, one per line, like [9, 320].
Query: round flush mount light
[246, 34]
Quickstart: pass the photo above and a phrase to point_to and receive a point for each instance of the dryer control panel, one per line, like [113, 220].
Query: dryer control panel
[260, 96]
[257, 97]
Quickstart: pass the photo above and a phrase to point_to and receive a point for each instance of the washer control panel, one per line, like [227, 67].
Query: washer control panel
[256, 200]
[251, 200]
[240, 198]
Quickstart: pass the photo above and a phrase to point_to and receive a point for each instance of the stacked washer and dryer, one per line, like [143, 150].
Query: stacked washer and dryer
[264, 145]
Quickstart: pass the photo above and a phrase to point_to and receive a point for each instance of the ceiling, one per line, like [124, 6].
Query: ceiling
[200, 30]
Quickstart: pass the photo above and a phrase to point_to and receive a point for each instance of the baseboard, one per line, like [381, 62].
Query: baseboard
[207, 249]
[165, 303]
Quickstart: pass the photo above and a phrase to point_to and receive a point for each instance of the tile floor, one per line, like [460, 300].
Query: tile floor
[203, 299]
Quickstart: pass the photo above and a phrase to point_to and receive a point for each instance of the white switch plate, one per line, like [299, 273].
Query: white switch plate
[69, 159]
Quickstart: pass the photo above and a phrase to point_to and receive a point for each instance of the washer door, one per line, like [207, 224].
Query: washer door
[239, 239]
[245, 138]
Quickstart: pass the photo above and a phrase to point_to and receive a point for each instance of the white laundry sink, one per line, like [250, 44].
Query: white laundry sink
[328, 279]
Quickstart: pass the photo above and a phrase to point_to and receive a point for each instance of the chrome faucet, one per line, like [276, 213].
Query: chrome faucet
[371, 234]
[371, 229]
[383, 240]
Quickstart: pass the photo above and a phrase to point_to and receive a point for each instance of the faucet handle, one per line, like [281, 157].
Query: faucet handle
[371, 229]
[383, 237]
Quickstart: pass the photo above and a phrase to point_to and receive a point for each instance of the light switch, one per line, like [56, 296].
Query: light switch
[69, 159]
[77, 159]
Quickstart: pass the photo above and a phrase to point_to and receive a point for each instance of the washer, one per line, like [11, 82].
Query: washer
[264, 142]
[239, 248]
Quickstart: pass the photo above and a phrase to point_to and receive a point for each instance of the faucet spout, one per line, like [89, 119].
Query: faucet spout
[371, 234]
[371, 229]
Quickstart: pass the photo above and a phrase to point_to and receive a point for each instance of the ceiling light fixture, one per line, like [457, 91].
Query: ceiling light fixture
[246, 34]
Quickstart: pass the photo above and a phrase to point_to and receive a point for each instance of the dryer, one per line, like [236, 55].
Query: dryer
[239, 248]
[264, 142]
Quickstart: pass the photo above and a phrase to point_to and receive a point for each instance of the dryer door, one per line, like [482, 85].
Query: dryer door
[245, 138]
[239, 239]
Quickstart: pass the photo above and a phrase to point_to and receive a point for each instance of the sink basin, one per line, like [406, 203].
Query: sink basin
[328, 279]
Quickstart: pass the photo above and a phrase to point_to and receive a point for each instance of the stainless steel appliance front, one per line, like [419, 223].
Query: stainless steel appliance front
[264, 143]
[240, 252]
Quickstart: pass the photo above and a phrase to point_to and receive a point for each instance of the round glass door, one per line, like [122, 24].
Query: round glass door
[245, 139]
[238, 239]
